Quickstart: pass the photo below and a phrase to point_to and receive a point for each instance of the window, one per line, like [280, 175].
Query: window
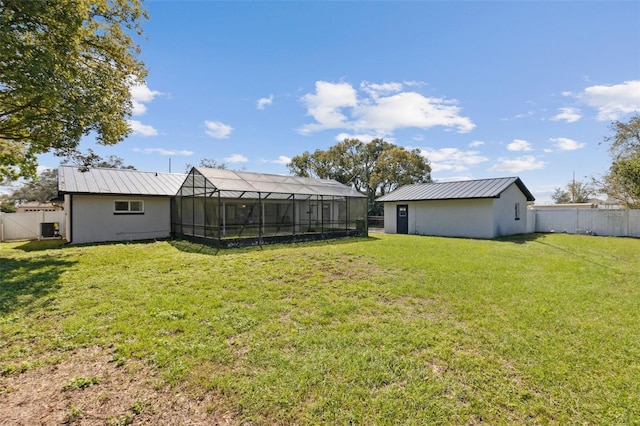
[517, 211]
[402, 211]
[128, 207]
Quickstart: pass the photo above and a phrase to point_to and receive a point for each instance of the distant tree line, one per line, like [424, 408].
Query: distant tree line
[44, 187]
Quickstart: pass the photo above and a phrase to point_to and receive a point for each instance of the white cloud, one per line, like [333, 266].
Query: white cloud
[217, 130]
[519, 145]
[363, 137]
[566, 144]
[452, 159]
[613, 101]
[476, 144]
[263, 102]
[515, 165]
[568, 115]
[325, 105]
[410, 109]
[162, 151]
[141, 94]
[142, 129]
[376, 90]
[382, 109]
[282, 159]
[235, 158]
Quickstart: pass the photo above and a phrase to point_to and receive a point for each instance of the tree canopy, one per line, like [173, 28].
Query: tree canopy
[373, 168]
[623, 180]
[66, 68]
[44, 187]
[574, 192]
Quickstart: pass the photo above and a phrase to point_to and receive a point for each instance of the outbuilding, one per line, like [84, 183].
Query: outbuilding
[483, 208]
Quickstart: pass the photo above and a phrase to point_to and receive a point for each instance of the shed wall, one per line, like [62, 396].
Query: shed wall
[504, 212]
[452, 218]
[93, 219]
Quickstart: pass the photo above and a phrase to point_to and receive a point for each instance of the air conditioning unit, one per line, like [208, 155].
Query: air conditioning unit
[49, 230]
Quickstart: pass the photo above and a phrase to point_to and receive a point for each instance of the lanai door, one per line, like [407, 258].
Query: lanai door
[402, 219]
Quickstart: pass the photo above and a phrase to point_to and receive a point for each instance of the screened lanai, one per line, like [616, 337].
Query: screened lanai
[239, 208]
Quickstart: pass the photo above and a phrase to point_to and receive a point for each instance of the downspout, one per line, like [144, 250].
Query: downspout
[70, 230]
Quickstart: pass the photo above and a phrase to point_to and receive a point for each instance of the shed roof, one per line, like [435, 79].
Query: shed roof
[245, 182]
[467, 189]
[72, 179]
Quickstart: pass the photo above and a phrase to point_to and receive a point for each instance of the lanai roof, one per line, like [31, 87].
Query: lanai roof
[467, 189]
[236, 183]
[72, 179]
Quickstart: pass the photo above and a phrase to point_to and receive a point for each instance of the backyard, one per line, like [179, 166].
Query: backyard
[383, 330]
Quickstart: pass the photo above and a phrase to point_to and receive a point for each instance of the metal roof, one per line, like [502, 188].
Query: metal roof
[481, 188]
[72, 179]
[245, 182]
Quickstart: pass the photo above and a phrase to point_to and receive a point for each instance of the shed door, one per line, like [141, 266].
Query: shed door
[402, 219]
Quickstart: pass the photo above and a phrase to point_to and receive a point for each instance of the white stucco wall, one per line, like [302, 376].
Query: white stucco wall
[92, 219]
[453, 218]
[504, 221]
[390, 218]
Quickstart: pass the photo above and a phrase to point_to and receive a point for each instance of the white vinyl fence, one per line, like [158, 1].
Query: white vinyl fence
[27, 226]
[616, 223]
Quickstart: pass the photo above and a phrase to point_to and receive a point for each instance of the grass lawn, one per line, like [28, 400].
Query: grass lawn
[383, 330]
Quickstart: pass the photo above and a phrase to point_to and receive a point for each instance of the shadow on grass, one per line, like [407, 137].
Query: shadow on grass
[521, 238]
[25, 281]
[206, 249]
[36, 245]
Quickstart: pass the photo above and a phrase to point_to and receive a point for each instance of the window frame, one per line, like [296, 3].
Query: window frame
[129, 210]
[517, 211]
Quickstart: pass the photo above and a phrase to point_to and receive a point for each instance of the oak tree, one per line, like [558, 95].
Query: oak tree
[66, 68]
[373, 168]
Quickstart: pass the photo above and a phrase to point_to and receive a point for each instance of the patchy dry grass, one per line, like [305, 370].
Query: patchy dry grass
[383, 330]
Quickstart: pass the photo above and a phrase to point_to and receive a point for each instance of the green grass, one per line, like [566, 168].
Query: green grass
[383, 330]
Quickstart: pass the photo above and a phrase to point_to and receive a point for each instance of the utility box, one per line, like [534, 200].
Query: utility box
[49, 230]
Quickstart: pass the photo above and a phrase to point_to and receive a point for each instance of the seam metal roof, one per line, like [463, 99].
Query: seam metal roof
[118, 181]
[467, 189]
[231, 180]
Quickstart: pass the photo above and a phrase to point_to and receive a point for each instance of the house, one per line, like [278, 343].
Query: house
[36, 206]
[225, 207]
[484, 208]
[116, 204]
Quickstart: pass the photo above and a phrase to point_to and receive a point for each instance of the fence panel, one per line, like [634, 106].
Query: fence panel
[634, 223]
[26, 226]
[564, 220]
[615, 223]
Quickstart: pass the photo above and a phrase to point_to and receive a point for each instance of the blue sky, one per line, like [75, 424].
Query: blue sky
[483, 89]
